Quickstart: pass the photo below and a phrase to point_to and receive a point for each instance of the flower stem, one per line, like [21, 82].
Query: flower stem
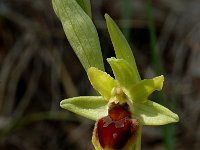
[138, 142]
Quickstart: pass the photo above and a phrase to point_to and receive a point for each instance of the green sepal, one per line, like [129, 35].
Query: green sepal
[140, 91]
[86, 6]
[80, 32]
[91, 107]
[120, 44]
[124, 73]
[102, 82]
[151, 113]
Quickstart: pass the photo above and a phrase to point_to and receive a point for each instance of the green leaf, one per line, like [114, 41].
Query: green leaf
[102, 82]
[80, 32]
[92, 107]
[123, 72]
[151, 113]
[86, 6]
[140, 92]
[121, 46]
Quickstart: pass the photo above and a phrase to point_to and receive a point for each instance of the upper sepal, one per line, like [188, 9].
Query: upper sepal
[120, 44]
[123, 71]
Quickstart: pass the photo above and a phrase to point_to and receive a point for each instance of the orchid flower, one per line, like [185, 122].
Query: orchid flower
[123, 104]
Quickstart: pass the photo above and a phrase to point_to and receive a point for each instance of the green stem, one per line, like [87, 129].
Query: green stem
[137, 145]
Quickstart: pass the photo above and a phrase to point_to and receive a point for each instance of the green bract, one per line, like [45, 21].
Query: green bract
[85, 5]
[75, 16]
[80, 31]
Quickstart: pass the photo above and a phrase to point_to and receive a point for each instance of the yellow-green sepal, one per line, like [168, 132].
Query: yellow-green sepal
[152, 113]
[124, 72]
[120, 44]
[91, 107]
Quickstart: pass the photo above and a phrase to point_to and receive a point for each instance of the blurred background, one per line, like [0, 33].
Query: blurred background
[38, 69]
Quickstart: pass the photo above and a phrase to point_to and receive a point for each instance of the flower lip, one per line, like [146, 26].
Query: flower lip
[118, 129]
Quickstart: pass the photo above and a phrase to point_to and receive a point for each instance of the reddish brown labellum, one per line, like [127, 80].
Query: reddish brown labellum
[116, 129]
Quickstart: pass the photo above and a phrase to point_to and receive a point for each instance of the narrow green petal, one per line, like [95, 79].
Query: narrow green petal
[80, 32]
[151, 113]
[92, 107]
[102, 82]
[120, 44]
[140, 92]
[123, 72]
[86, 6]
